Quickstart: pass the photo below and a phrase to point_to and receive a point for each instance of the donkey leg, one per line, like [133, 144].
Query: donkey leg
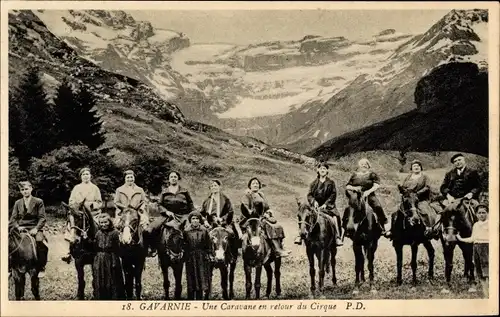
[139, 268]
[19, 284]
[399, 263]
[80, 295]
[248, 280]
[431, 255]
[178, 267]
[166, 282]
[129, 279]
[448, 265]
[333, 262]
[232, 268]
[358, 259]
[312, 270]
[370, 255]
[258, 275]
[414, 254]
[224, 275]
[277, 275]
[269, 275]
[35, 284]
[322, 258]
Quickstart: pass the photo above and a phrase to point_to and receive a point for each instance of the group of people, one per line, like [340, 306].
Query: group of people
[178, 210]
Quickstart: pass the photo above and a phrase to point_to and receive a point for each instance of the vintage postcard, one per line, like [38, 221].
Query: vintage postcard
[249, 158]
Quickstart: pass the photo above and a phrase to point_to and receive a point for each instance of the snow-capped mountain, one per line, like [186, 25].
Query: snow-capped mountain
[295, 94]
[116, 42]
[32, 44]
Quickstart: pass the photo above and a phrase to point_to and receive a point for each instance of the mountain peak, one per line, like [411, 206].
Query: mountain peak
[386, 32]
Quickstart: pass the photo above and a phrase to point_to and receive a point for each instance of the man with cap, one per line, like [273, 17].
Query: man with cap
[29, 213]
[460, 182]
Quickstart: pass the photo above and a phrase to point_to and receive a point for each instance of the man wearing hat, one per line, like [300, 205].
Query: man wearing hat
[29, 213]
[460, 182]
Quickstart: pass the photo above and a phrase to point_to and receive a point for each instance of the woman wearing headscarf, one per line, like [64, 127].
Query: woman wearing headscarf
[107, 274]
[85, 191]
[131, 195]
[217, 208]
[322, 196]
[367, 181]
[418, 182]
[198, 248]
[175, 204]
[255, 205]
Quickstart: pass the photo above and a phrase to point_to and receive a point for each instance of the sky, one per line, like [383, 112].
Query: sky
[256, 26]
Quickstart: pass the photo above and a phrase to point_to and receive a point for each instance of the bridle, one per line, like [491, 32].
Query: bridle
[27, 235]
[310, 226]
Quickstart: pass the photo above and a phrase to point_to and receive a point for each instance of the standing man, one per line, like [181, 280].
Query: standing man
[29, 213]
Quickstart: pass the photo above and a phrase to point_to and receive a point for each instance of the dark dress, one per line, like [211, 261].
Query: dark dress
[324, 193]
[107, 269]
[421, 187]
[366, 181]
[197, 248]
[254, 205]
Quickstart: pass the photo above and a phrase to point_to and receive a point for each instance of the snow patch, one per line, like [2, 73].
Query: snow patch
[315, 135]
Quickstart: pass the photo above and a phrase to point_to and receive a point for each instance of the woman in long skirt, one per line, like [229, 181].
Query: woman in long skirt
[107, 269]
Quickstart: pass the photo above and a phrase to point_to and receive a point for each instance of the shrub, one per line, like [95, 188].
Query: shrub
[151, 170]
[56, 173]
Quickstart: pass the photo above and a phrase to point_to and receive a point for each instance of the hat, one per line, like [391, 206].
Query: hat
[482, 206]
[325, 164]
[456, 156]
[218, 182]
[85, 169]
[194, 214]
[416, 162]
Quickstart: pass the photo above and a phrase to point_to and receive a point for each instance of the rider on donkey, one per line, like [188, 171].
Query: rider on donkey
[217, 209]
[176, 204]
[460, 182]
[85, 191]
[322, 195]
[254, 205]
[366, 181]
[130, 195]
[29, 213]
[418, 183]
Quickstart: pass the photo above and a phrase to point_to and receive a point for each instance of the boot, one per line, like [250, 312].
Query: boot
[276, 244]
[298, 240]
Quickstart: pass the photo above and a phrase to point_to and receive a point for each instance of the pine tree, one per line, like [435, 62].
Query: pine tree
[17, 117]
[67, 108]
[39, 135]
[90, 130]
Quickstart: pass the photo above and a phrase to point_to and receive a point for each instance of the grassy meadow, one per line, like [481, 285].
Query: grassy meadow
[200, 156]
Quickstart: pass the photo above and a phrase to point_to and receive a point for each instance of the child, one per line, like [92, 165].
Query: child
[198, 247]
[480, 238]
[107, 270]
